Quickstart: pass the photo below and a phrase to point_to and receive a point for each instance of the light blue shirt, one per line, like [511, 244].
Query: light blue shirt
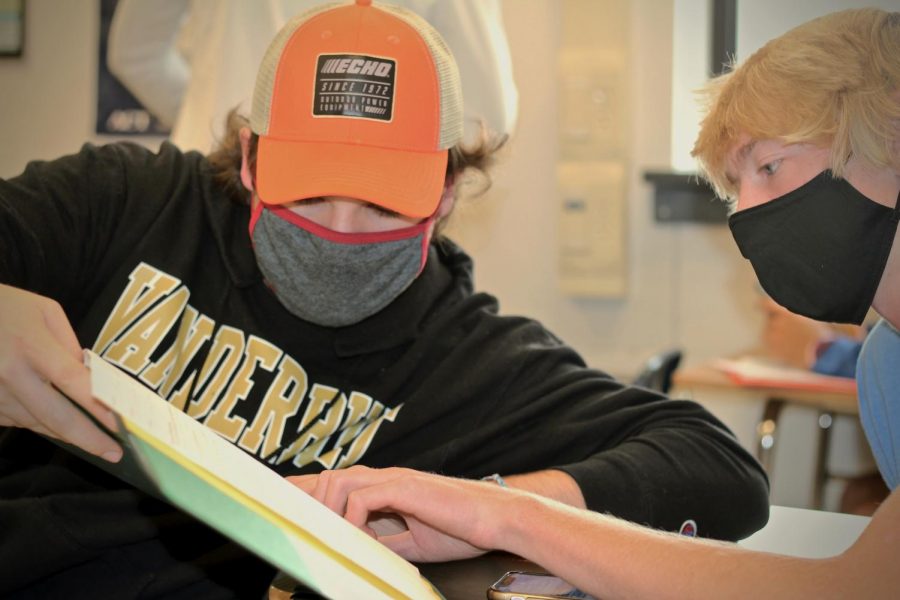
[878, 381]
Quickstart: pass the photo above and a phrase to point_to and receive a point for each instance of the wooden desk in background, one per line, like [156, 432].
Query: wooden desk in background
[829, 396]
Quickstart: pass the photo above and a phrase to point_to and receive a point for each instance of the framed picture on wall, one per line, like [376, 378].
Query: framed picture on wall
[12, 27]
[118, 111]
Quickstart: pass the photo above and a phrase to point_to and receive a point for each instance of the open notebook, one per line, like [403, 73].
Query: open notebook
[198, 471]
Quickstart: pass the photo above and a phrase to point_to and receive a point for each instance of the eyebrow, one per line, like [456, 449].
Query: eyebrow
[739, 156]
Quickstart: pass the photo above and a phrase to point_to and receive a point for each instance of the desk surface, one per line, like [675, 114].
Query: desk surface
[470, 579]
[806, 533]
[706, 377]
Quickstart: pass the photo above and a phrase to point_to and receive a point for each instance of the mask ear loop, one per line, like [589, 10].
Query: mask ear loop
[254, 217]
[426, 240]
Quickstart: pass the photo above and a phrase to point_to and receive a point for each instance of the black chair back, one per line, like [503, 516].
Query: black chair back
[658, 370]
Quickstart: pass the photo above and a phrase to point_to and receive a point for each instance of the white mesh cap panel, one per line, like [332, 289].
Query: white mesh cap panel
[446, 71]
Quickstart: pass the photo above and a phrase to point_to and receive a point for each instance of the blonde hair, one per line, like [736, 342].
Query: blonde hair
[833, 80]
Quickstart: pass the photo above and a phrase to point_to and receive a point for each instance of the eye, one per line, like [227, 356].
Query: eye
[310, 201]
[770, 168]
[382, 211]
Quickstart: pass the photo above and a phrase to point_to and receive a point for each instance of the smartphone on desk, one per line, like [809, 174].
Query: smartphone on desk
[521, 585]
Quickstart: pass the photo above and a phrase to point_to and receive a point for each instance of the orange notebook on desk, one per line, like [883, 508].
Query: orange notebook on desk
[754, 372]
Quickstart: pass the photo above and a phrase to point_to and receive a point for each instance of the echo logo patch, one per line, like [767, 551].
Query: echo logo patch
[354, 85]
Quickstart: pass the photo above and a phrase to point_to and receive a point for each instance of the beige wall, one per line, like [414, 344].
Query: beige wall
[687, 285]
[45, 96]
[48, 96]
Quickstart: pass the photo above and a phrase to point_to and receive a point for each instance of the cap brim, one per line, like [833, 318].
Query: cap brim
[410, 183]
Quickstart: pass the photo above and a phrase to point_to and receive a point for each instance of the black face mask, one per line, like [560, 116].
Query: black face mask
[819, 250]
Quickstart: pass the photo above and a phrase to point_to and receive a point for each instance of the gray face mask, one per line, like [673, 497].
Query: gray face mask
[330, 278]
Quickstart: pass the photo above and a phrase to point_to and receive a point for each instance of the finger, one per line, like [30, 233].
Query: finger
[44, 339]
[403, 544]
[332, 487]
[370, 532]
[386, 523]
[390, 497]
[323, 480]
[14, 414]
[325, 490]
[307, 483]
[340, 483]
[69, 375]
[59, 327]
[457, 508]
[57, 416]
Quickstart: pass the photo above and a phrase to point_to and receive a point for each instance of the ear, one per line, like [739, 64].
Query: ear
[448, 199]
[246, 177]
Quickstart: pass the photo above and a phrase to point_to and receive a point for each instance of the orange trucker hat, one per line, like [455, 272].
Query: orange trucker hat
[357, 100]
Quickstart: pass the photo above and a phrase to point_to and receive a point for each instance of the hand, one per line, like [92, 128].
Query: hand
[40, 360]
[444, 518]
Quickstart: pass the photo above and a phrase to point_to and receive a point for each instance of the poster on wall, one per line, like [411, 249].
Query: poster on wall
[118, 111]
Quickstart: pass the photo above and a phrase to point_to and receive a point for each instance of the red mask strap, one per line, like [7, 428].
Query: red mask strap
[254, 216]
[374, 237]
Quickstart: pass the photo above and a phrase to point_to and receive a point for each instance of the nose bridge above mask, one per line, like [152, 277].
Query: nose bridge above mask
[369, 237]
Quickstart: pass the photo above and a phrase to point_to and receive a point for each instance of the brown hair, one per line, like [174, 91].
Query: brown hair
[833, 80]
[467, 165]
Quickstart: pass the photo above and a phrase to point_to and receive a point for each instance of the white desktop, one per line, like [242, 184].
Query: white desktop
[806, 533]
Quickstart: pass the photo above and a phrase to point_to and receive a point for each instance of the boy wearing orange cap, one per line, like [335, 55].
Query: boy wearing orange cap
[316, 321]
